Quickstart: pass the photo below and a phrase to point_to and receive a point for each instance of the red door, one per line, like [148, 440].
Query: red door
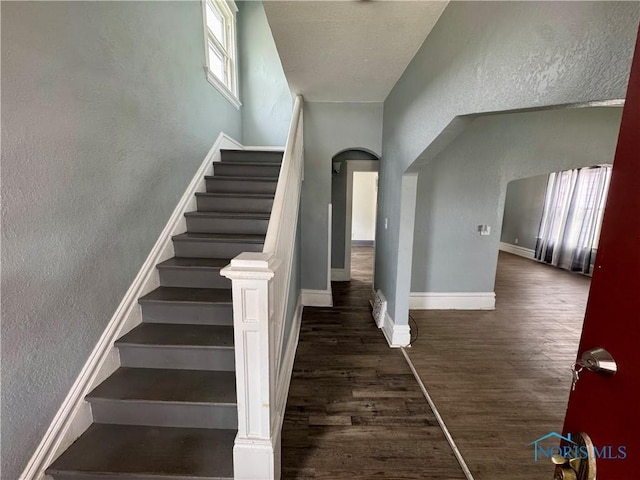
[608, 408]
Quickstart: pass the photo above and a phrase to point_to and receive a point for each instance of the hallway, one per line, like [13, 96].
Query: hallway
[355, 411]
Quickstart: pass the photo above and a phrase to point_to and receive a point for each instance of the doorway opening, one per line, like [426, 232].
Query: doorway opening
[500, 373]
[354, 193]
[363, 224]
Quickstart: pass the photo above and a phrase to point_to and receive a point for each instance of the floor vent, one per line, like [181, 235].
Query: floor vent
[379, 309]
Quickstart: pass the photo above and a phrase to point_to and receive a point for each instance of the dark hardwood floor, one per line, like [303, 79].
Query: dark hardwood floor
[355, 410]
[501, 379]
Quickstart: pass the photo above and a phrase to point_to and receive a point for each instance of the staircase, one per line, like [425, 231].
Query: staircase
[169, 412]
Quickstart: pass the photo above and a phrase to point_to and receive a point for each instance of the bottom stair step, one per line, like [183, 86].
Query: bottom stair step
[114, 452]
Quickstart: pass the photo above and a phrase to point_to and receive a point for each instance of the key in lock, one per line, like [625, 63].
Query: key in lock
[596, 360]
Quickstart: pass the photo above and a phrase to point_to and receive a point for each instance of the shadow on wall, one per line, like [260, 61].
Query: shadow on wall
[339, 200]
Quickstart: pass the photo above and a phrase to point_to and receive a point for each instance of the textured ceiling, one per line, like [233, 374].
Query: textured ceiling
[348, 51]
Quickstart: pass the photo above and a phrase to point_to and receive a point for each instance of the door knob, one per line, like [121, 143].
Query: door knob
[579, 463]
[596, 360]
[600, 361]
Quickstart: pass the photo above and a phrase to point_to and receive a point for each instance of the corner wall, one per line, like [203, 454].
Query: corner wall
[523, 205]
[267, 103]
[486, 57]
[106, 116]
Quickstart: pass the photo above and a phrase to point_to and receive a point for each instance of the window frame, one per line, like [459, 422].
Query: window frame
[227, 10]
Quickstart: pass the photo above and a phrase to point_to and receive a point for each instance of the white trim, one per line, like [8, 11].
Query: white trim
[256, 459]
[396, 335]
[452, 301]
[269, 459]
[339, 275]
[363, 243]
[228, 10]
[353, 166]
[286, 366]
[317, 298]
[329, 238]
[222, 89]
[74, 415]
[436, 413]
[518, 250]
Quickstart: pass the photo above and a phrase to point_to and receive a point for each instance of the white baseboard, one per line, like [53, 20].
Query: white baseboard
[317, 298]
[362, 243]
[452, 301]
[256, 459]
[397, 335]
[74, 415]
[340, 275]
[518, 250]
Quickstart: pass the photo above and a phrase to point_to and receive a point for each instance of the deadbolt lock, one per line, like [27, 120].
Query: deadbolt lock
[580, 461]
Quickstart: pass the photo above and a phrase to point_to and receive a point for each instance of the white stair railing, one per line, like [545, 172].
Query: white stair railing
[261, 284]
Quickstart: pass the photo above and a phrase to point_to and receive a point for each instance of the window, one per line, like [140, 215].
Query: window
[572, 217]
[220, 47]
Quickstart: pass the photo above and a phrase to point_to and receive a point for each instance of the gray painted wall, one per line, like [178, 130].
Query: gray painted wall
[106, 115]
[484, 57]
[266, 100]
[329, 128]
[465, 186]
[339, 202]
[523, 205]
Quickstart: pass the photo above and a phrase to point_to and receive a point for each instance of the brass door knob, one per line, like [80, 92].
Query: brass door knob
[578, 467]
[565, 472]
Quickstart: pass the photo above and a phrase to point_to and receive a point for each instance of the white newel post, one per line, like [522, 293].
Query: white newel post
[255, 454]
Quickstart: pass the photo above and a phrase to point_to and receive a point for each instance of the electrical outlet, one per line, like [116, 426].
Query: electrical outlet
[484, 229]
[516, 241]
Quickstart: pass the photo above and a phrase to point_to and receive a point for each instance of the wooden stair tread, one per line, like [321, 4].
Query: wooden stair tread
[139, 452]
[268, 196]
[220, 237]
[185, 262]
[247, 215]
[241, 178]
[164, 385]
[249, 163]
[166, 334]
[188, 295]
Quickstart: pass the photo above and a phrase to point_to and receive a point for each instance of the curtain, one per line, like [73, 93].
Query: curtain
[572, 217]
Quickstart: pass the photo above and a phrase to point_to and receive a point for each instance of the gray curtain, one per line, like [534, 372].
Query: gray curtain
[572, 217]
